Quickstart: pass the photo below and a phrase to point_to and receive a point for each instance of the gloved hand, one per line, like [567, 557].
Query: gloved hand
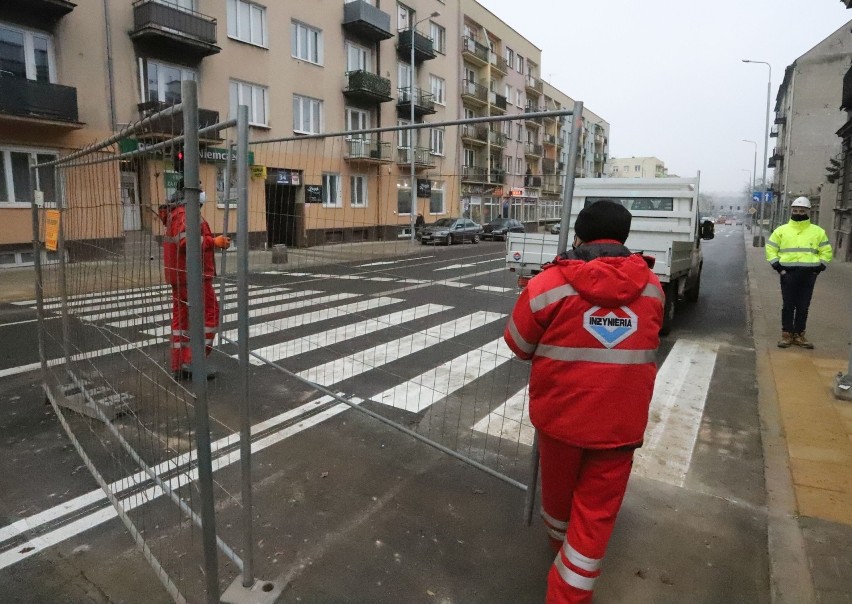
[778, 268]
[222, 242]
[821, 268]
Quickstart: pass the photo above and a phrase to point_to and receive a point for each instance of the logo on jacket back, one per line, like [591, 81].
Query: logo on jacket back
[610, 326]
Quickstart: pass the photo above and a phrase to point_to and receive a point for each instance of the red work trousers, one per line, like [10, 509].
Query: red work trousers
[181, 351]
[581, 493]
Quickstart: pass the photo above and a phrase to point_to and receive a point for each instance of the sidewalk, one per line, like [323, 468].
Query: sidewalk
[807, 436]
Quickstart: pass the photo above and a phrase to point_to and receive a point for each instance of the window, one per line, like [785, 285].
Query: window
[247, 22]
[358, 188]
[357, 119]
[519, 64]
[636, 168]
[508, 91]
[439, 37]
[510, 57]
[519, 98]
[306, 43]
[509, 160]
[307, 115]
[403, 196]
[331, 194]
[405, 16]
[403, 74]
[162, 81]
[253, 95]
[26, 54]
[438, 87]
[436, 141]
[357, 57]
[520, 166]
[469, 158]
[436, 200]
[404, 136]
[520, 136]
[16, 179]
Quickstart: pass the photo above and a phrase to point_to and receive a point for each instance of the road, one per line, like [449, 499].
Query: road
[350, 509]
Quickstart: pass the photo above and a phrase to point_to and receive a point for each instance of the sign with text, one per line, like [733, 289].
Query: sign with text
[424, 187]
[51, 229]
[258, 171]
[220, 156]
[313, 193]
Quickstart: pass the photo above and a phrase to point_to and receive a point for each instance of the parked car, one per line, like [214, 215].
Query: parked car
[499, 228]
[555, 228]
[449, 231]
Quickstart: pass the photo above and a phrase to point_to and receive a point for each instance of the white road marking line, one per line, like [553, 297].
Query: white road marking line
[270, 310]
[268, 327]
[349, 366]
[283, 350]
[80, 356]
[431, 386]
[492, 288]
[452, 266]
[511, 420]
[680, 393]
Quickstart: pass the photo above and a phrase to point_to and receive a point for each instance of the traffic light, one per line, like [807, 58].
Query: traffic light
[177, 160]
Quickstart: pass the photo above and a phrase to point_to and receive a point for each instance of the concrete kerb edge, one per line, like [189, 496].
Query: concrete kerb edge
[790, 576]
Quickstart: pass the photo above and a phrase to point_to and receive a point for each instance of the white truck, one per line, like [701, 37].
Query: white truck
[665, 226]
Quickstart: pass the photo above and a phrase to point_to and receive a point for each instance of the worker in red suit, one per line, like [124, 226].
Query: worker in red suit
[173, 215]
[590, 323]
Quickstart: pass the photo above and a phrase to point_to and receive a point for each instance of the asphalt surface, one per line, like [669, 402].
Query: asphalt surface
[352, 510]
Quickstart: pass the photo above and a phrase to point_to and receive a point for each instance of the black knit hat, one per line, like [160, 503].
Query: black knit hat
[604, 219]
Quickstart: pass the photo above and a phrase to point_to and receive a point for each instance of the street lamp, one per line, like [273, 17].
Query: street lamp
[759, 240]
[413, 210]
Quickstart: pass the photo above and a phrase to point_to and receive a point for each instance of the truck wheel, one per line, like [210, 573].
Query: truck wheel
[691, 294]
[669, 308]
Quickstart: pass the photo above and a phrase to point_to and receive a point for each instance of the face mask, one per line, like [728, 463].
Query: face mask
[202, 197]
[799, 217]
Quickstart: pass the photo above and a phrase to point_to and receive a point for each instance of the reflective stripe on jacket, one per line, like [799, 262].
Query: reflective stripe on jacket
[591, 330]
[174, 247]
[798, 244]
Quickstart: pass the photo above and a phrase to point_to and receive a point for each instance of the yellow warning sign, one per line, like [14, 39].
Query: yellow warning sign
[51, 229]
[258, 171]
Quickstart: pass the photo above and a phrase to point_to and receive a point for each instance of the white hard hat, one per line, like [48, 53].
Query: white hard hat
[801, 202]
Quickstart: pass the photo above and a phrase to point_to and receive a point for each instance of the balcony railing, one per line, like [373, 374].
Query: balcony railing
[548, 166]
[367, 150]
[774, 132]
[41, 13]
[366, 21]
[498, 63]
[497, 138]
[471, 91]
[550, 139]
[424, 102]
[423, 157]
[25, 98]
[498, 101]
[534, 84]
[497, 176]
[367, 87]
[172, 125]
[474, 133]
[474, 51]
[169, 27]
[474, 174]
[533, 182]
[424, 48]
[533, 149]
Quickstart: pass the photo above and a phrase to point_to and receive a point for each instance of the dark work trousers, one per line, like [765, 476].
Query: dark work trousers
[797, 287]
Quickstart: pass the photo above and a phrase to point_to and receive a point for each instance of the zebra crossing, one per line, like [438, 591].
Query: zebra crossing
[456, 360]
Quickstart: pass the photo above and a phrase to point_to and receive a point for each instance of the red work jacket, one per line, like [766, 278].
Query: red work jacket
[174, 246]
[591, 329]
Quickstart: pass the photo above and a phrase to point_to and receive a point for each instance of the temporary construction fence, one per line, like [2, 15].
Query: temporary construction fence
[334, 299]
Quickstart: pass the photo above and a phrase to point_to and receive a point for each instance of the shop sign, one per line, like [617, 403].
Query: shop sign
[258, 171]
[313, 193]
[220, 156]
[516, 193]
[51, 229]
[424, 188]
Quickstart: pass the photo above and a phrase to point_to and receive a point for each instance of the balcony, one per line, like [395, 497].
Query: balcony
[496, 138]
[365, 21]
[533, 150]
[474, 51]
[497, 176]
[774, 132]
[43, 14]
[498, 64]
[38, 102]
[777, 157]
[551, 185]
[534, 85]
[424, 103]
[474, 174]
[532, 182]
[365, 87]
[474, 94]
[424, 49]
[548, 166]
[497, 102]
[550, 139]
[846, 101]
[475, 134]
[535, 122]
[172, 125]
[781, 119]
[422, 157]
[367, 151]
[171, 30]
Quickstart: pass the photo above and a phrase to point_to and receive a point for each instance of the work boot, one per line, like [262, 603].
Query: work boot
[799, 339]
[786, 340]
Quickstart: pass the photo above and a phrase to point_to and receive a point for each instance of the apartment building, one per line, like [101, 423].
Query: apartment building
[636, 167]
[73, 73]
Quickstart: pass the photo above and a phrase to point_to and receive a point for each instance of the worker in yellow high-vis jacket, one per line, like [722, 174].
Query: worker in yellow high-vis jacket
[799, 251]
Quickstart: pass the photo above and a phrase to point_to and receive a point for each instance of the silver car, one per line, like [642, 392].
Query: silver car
[449, 231]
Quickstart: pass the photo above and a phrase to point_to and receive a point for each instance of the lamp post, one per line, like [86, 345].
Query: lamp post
[413, 210]
[759, 240]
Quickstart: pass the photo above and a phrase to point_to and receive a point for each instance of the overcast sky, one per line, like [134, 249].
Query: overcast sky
[667, 74]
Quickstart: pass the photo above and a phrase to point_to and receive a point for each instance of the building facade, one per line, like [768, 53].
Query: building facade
[636, 167]
[76, 73]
